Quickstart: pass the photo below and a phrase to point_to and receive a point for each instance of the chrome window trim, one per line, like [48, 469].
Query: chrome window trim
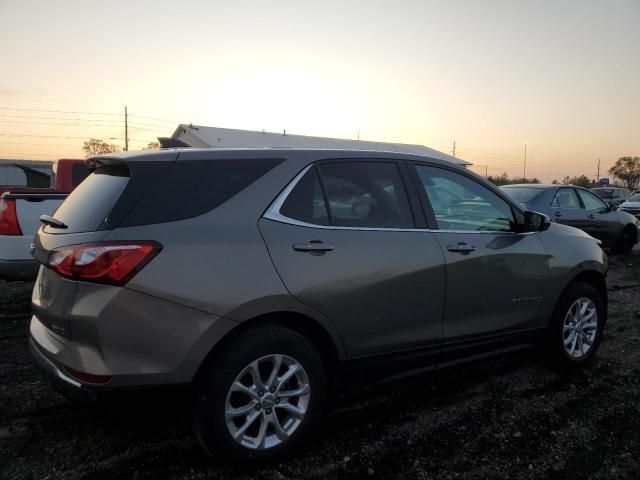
[273, 213]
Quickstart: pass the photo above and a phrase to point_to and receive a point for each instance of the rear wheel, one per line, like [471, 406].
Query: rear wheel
[576, 328]
[259, 397]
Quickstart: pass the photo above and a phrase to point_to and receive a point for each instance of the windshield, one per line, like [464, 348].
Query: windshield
[634, 198]
[523, 194]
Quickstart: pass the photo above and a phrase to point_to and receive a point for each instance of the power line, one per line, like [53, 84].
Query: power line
[60, 124]
[61, 136]
[38, 117]
[157, 119]
[57, 111]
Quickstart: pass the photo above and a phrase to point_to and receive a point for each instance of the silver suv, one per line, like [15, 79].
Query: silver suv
[260, 277]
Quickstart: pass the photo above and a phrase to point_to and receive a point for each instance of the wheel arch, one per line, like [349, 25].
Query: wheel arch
[593, 278]
[327, 346]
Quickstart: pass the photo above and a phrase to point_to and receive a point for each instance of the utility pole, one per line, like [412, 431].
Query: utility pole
[598, 176]
[454, 149]
[126, 130]
[358, 134]
[524, 168]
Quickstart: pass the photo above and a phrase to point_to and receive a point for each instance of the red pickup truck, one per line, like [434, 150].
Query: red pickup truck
[20, 210]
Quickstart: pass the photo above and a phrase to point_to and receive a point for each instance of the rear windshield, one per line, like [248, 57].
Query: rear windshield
[523, 194]
[150, 192]
[88, 205]
[603, 192]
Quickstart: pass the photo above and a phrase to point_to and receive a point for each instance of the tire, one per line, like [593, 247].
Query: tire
[625, 243]
[563, 349]
[218, 406]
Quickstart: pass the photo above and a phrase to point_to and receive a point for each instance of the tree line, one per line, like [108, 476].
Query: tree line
[626, 170]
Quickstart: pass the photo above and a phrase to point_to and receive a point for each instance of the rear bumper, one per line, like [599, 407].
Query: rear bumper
[18, 270]
[62, 382]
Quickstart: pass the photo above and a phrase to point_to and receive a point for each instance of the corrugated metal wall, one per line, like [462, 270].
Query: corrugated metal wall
[11, 175]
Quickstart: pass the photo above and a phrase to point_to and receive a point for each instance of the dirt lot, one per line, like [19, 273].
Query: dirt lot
[506, 418]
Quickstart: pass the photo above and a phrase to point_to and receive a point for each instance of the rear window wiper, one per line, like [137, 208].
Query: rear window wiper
[52, 222]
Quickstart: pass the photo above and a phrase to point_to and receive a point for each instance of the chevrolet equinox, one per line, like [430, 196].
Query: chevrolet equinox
[259, 276]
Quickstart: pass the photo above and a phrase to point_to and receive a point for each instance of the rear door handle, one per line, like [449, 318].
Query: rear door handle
[591, 215]
[558, 214]
[315, 247]
[461, 248]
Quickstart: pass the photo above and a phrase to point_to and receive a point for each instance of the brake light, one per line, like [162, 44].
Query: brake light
[9, 224]
[112, 263]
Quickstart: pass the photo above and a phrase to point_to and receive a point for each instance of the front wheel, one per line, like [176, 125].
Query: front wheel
[625, 243]
[577, 325]
[259, 397]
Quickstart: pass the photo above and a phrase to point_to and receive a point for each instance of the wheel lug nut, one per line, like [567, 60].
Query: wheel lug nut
[268, 410]
[258, 406]
[272, 389]
[277, 399]
[260, 392]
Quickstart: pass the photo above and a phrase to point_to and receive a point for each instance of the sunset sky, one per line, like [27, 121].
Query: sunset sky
[561, 76]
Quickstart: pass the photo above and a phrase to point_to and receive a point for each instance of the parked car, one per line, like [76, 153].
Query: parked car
[263, 277]
[579, 208]
[20, 208]
[632, 205]
[612, 195]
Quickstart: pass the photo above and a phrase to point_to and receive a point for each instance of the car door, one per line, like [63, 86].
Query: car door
[343, 238]
[604, 223]
[566, 209]
[495, 276]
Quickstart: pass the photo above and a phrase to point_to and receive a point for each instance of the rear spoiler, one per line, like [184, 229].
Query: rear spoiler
[168, 142]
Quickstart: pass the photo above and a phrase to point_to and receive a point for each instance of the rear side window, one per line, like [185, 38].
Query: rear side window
[88, 205]
[566, 198]
[193, 187]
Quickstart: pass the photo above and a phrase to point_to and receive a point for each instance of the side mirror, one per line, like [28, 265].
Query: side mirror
[612, 207]
[536, 222]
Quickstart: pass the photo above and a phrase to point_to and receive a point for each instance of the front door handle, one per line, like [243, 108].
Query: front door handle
[558, 214]
[461, 248]
[314, 247]
[591, 215]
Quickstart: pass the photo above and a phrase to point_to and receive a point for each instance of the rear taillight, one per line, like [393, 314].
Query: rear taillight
[113, 263]
[9, 224]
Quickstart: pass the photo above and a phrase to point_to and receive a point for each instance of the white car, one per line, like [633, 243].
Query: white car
[632, 205]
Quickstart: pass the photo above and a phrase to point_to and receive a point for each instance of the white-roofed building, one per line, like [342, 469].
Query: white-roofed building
[201, 136]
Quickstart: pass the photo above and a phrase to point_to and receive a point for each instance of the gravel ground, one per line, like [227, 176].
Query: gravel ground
[510, 417]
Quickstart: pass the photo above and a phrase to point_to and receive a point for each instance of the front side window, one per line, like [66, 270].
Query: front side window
[460, 203]
[566, 198]
[591, 201]
[350, 194]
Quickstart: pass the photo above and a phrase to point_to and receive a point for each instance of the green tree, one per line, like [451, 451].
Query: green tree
[505, 180]
[581, 181]
[96, 146]
[627, 169]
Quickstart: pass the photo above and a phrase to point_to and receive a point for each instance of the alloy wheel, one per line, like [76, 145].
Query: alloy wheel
[580, 328]
[267, 401]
